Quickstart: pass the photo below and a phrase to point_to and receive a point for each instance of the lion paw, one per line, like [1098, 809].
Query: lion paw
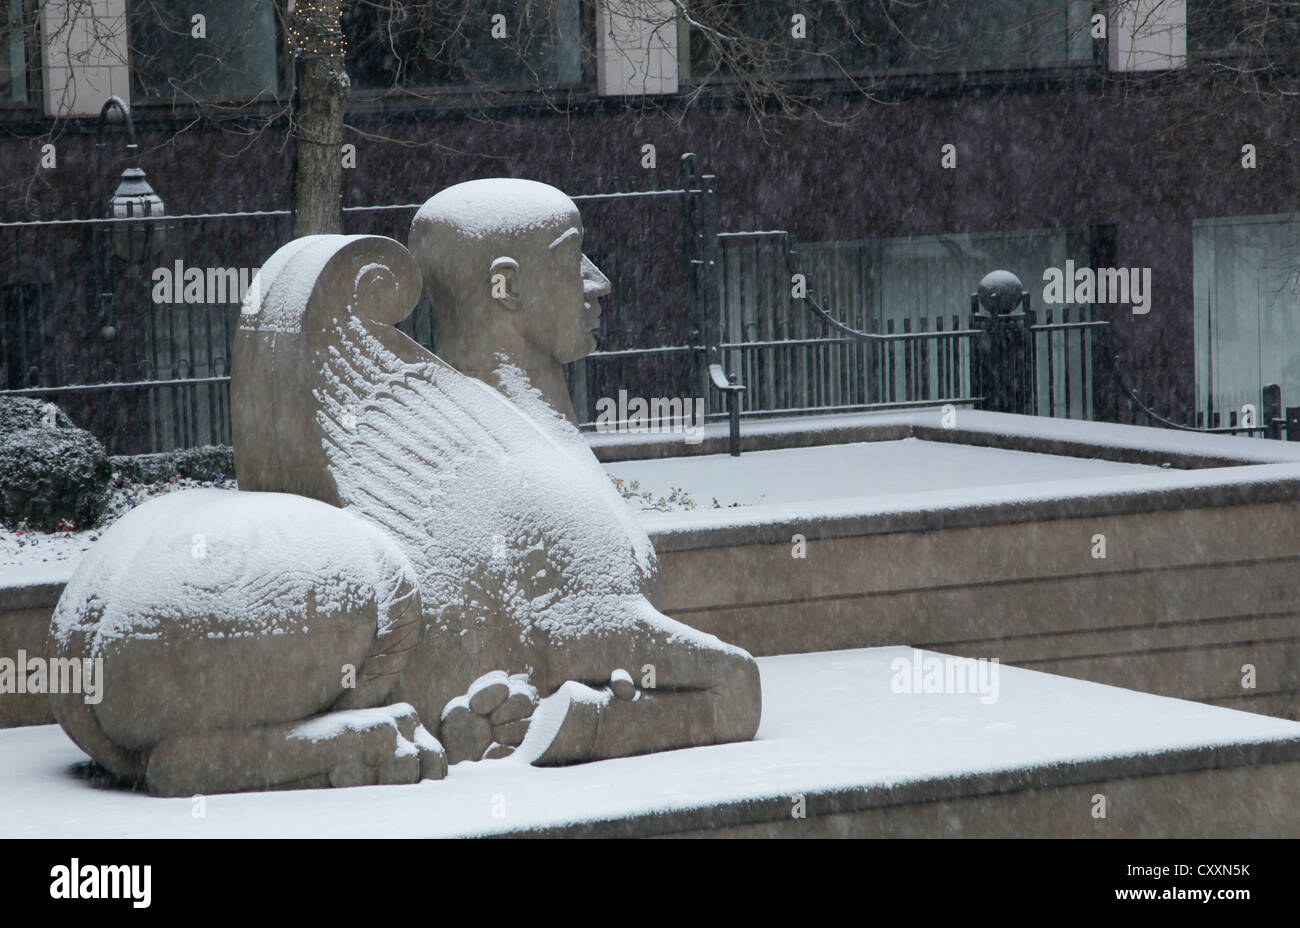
[490, 720]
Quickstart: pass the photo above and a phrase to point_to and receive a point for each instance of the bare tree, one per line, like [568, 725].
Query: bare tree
[317, 116]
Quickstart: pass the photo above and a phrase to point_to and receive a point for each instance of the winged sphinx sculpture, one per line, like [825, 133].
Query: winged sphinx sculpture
[419, 567]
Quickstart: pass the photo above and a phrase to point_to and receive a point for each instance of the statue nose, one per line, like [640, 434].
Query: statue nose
[594, 283]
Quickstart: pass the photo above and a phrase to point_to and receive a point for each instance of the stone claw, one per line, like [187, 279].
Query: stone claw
[490, 720]
[620, 681]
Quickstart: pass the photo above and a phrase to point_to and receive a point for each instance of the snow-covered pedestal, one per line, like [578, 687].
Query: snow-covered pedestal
[1157, 560]
[844, 748]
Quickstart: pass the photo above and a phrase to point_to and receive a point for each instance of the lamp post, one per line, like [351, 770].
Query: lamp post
[132, 242]
[133, 197]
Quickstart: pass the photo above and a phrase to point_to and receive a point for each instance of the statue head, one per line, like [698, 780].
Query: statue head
[503, 266]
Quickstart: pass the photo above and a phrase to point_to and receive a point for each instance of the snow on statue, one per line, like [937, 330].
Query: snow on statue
[420, 545]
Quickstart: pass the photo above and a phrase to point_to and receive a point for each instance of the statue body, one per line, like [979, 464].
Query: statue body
[524, 629]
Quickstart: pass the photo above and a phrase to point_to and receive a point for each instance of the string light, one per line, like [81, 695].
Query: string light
[316, 29]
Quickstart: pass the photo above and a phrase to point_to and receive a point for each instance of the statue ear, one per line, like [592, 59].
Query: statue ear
[503, 282]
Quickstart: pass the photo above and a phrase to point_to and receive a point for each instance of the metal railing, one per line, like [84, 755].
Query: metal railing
[139, 354]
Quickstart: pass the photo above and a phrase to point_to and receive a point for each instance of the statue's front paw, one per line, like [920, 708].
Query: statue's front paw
[622, 685]
[490, 720]
[377, 746]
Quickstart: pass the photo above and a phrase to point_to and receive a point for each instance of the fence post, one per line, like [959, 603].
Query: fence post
[1272, 413]
[1105, 390]
[1004, 369]
[699, 228]
[694, 267]
[710, 253]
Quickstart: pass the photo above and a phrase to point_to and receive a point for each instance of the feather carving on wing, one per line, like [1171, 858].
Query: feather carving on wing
[511, 523]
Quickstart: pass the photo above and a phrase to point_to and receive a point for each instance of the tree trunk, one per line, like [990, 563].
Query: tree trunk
[318, 174]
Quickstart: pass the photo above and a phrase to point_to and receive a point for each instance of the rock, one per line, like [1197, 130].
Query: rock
[488, 692]
[518, 705]
[511, 733]
[497, 751]
[465, 734]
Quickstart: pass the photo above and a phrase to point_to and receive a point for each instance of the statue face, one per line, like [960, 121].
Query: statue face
[569, 289]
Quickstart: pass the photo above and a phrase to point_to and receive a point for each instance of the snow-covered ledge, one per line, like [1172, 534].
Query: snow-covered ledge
[1196, 470]
[843, 749]
[1106, 564]
[1080, 438]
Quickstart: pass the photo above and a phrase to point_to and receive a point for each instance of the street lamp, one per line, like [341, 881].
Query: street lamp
[131, 241]
[133, 196]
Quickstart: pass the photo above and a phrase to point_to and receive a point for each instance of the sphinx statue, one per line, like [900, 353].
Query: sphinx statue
[420, 567]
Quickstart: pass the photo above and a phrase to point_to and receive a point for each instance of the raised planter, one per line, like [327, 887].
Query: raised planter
[1200, 583]
[1198, 595]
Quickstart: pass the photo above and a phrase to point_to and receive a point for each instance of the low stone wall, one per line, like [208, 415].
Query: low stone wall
[1225, 793]
[1182, 602]
[24, 626]
[1197, 596]
[1200, 578]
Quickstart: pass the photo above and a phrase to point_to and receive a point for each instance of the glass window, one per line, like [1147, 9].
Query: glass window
[231, 55]
[479, 44]
[1247, 303]
[13, 53]
[887, 36]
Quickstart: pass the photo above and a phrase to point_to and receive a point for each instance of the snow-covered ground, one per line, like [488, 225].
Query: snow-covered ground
[1003, 428]
[37, 557]
[793, 484]
[41, 553]
[830, 721]
[876, 468]
[759, 478]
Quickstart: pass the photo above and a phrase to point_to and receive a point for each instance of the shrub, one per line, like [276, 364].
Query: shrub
[52, 473]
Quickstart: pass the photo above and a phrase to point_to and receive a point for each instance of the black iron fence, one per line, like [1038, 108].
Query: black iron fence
[135, 347]
[135, 343]
[796, 356]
